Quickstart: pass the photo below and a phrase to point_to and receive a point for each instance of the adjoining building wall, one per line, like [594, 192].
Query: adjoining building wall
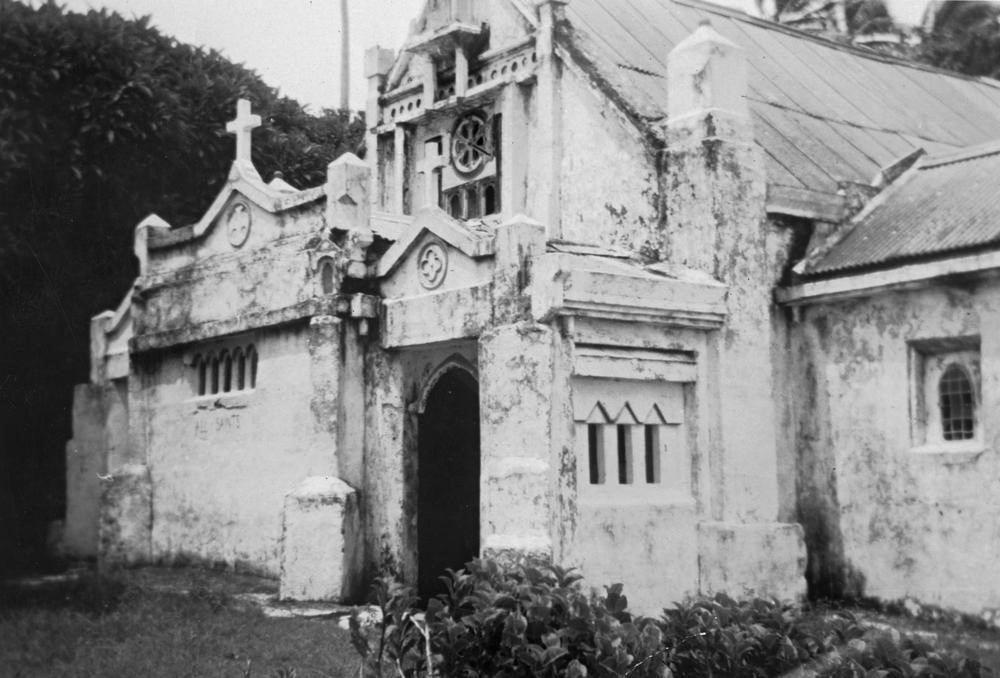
[221, 464]
[890, 508]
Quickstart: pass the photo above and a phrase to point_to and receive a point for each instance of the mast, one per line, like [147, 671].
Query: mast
[345, 57]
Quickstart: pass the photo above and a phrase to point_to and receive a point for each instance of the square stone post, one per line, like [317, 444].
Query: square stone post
[717, 222]
[517, 369]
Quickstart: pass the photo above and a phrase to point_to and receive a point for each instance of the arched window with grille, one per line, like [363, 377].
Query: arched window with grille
[252, 366]
[201, 367]
[957, 403]
[215, 374]
[227, 372]
[240, 368]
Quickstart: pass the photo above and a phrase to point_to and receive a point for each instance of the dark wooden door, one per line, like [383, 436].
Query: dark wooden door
[448, 479]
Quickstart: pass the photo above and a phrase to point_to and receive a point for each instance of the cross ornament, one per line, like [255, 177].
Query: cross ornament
[243, 126]
[432, 162]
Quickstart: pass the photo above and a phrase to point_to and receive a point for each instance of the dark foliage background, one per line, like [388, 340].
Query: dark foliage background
[104, 120]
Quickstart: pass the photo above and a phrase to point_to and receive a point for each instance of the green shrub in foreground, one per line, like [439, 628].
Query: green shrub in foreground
[538, 622]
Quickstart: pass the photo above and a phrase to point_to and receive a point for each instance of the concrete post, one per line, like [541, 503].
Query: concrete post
[716, 222]
[516, 367]
[348, 207]
[321, 542]
[548, 150]
[461, 71]
[518, 241]
[325, 365]
[378, 63]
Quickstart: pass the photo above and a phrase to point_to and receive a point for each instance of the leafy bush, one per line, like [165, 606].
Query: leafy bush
[538, 622]
[881, 657]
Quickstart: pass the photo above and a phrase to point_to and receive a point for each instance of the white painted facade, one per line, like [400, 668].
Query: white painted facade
[505, 235]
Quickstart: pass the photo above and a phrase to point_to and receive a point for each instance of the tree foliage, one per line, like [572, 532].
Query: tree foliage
[104, 120]
[963, 36]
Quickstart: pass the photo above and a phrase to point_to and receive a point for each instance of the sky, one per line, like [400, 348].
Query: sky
[295, 44]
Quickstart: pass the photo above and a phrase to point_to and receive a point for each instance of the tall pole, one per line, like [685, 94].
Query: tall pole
[345, 57]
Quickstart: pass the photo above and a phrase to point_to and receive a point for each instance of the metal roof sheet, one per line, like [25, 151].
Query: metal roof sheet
[823, 112]
[943, 204]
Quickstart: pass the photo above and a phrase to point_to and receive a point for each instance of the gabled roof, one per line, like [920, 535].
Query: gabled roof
[823, 112]
[467, 237]
[944, 204]
[276, 196]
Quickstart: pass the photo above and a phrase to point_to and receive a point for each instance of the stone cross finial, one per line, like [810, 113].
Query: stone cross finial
[243, 126]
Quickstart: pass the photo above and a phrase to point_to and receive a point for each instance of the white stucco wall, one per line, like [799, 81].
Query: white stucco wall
[884, 517]
[608, 182]
[221, 465]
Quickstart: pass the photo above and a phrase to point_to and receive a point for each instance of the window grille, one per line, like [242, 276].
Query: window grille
[225, 371]
[957, 403]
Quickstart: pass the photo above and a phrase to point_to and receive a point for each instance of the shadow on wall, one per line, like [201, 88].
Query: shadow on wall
[34, 428]
[828, 575]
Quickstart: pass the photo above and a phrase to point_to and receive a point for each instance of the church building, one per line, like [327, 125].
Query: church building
[679, 297]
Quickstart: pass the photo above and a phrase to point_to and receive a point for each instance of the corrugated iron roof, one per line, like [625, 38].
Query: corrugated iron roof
[943, 204]
[823, 112]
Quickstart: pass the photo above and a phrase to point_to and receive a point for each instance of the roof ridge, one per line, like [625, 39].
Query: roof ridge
[985, 149]
[740, 15]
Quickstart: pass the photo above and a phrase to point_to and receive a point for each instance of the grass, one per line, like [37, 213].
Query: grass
[122, 627]
[176, 623]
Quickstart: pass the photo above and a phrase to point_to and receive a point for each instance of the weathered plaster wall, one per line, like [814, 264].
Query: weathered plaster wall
[608, 180]
[613, 533]
[228, 286]
[222, 464]
[265, 228]
[881, 518]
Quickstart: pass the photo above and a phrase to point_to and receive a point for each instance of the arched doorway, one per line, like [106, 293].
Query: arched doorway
[448, 478]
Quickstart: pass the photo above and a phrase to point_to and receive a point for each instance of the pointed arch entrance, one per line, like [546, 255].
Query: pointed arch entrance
[448, 466]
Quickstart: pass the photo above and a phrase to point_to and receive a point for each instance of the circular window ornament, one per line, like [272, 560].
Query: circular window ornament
[432, 265]
[471, 143]
[238, 224]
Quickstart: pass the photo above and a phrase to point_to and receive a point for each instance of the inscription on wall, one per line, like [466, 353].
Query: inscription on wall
[210, 425]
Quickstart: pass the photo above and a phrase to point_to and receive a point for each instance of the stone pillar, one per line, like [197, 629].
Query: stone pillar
[461, 72]
[516, 368]
[390, 473]
[378, 63]
[348, 207]
[324, 368]
[518, 242]
[99, 326]
[85, 462]
[515, 146]
[321, 555]
[399, 169]
[126, 519]
[547, 149]
[716, 222]
[714, 188]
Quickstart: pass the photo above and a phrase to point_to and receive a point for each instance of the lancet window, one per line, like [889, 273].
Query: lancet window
[630, 446]
[226, 370]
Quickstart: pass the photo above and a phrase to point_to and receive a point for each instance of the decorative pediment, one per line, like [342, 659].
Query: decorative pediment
[243, 214]
[436, 253]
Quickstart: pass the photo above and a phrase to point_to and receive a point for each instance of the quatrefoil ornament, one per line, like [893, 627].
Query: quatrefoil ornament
[432, 265]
